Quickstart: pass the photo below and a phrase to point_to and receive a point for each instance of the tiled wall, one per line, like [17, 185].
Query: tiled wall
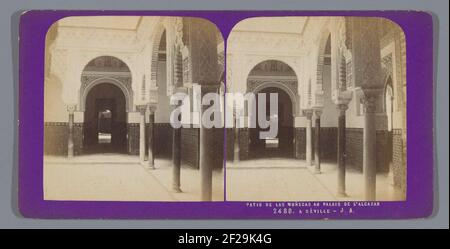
[190, 146]
[398, 160]
[300, 143]
[355, 148]
[56, 135]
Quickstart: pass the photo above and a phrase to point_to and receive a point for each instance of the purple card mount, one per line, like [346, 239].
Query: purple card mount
[226, 115]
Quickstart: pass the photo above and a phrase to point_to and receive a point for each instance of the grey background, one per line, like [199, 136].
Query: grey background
[9, 22]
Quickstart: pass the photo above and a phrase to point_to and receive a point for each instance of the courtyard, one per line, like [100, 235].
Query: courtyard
[118, 177]
[291, 180]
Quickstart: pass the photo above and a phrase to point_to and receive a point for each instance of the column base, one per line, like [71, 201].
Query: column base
[177, 190]
[342, 195]
[149, 167]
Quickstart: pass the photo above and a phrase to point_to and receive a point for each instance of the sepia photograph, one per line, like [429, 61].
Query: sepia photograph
[137, 109]
[110, 91]
[200, 116]
[337, 89]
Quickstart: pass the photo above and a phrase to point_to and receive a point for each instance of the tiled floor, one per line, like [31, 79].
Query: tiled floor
[113, 177]
[117, 177]
[292, 180]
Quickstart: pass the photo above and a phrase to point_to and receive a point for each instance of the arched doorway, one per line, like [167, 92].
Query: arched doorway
[105, 98]
[277, 77]
[105, 126]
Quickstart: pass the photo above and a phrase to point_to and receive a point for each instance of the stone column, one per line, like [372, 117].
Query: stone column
[70, 145]
[151, 137]
[341, 150]
[366, 59]
[317, 112]
[308, 114]
[203, 62]
[207, 153]
[370, 150]
[142, 109]
[342, 98]
[236, 141]
[176, 159]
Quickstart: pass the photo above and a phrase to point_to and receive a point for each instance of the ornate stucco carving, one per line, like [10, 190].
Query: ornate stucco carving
[288, 44]
[121, 80]
[291, 84]
[87, 79]
[58, 64]
[387, 66]
[97, 38]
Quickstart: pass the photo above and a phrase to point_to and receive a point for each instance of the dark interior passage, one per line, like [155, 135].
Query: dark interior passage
[282, 145]
[105, 128]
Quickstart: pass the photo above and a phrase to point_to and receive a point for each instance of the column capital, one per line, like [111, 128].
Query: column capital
[71, 108]
[141, 108]
[318, 112]
[370, 105]
[372, 91]
[308, 113]
[152, 107]
[342, 107]
[370, 98]
[342, 97]
[209, 88]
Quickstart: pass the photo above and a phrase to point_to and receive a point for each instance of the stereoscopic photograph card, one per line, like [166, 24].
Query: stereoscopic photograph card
[226, 114]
